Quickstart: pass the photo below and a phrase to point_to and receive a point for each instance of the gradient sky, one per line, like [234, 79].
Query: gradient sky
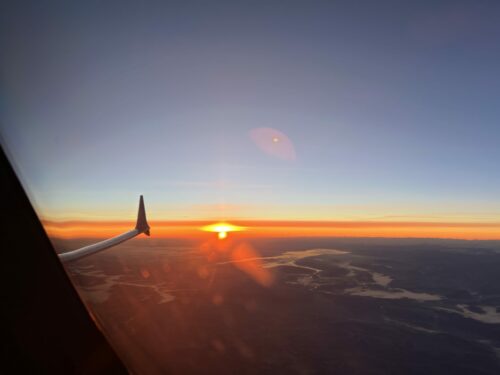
[392, 108]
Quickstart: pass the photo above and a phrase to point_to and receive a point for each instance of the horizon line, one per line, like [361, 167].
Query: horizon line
[285, 228]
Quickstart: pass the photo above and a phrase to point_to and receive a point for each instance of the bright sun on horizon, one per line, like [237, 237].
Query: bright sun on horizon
[222, 229]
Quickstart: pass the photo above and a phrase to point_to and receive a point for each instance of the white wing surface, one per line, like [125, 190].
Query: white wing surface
[141, 227]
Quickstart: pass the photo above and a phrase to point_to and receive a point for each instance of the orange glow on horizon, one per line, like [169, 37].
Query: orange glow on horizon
[281, 228]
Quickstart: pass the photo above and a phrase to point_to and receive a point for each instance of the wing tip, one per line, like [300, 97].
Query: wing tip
[142, 223]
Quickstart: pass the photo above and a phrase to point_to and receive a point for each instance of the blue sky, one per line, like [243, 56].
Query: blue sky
[392, 107]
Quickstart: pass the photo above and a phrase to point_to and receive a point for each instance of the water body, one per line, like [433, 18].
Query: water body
[392, 294]
[490, 315]
[290, 258]
[315, 279]
[100, 292]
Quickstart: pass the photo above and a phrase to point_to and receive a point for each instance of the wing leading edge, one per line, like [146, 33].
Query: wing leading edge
[140, 227]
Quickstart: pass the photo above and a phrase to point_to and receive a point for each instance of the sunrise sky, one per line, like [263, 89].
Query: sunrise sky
[357, 118]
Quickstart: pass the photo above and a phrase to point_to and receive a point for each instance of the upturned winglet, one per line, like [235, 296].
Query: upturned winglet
[140, 227]
[142, 223]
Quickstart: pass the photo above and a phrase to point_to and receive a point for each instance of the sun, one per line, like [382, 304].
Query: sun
[222, 229]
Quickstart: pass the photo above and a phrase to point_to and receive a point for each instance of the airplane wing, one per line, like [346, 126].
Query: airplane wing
[141, 227]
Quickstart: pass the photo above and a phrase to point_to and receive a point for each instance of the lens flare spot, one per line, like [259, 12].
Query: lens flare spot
[145, 273]
[274, 143]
